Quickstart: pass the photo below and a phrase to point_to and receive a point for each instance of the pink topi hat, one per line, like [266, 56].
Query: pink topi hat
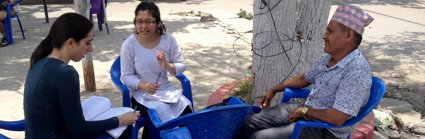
[353, 17]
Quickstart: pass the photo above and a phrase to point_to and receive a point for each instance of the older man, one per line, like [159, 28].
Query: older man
[342, 81]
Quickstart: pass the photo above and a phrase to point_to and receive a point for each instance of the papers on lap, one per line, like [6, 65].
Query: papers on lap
[170, 96]
[99, 108]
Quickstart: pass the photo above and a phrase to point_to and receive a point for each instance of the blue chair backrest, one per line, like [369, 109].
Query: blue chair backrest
[213, 123]
[115, 73]
[96, 5]
[377, 92]
[176, 133]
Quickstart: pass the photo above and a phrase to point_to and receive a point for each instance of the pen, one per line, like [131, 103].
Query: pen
[135, 109]
[157, 79]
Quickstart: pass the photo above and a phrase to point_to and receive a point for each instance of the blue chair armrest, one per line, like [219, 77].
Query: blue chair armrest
[289, 93]
[115, 74]
[176, 133]
[300, 124]
[187, 89]
[125, 93]
[153, 115]
[13, 125]
[235, 100]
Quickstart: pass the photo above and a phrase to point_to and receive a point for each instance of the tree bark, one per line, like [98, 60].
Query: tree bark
[287, 39]
[82, 7]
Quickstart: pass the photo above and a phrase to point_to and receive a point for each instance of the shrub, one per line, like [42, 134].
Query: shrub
[244, 90]
[244, 14]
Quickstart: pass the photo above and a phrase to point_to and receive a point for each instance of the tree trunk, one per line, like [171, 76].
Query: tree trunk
[287, 39]
[82, 7]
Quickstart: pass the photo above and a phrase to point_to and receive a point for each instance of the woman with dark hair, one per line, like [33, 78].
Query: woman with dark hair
[52, 105]
[146, 58]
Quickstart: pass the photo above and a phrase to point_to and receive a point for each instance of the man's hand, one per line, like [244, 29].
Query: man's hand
[265, 100]
[128, 118]
[295, 114]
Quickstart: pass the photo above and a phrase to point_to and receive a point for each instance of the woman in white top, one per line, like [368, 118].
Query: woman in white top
[148, 53]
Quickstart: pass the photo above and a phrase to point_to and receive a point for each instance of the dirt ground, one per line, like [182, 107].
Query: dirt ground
[415, 97]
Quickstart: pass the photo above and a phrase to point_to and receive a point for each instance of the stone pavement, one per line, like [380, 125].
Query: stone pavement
[207, 46]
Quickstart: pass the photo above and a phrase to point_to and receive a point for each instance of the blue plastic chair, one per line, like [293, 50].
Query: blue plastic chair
[8, 22]
[20, 126]
[98, 8]
[213, 123]
[115, 73]
[12, 126]
[377, 92]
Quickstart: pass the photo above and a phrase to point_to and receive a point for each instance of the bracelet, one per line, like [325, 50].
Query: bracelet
[306, 117]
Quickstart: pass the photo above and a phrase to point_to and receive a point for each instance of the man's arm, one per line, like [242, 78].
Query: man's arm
[332, 116]
[298, 81]
[352, 93]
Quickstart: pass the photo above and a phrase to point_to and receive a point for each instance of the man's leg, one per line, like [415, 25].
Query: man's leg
[276, 116]
[282, 132]
[285, 132]
[316, 133]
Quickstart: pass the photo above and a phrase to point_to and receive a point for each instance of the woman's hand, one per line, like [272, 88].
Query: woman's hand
[265, 100]
[149, 87]
[128, 118]
[163, 62]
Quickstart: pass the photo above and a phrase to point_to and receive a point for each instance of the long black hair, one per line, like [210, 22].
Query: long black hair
[154, 11]
[68, 25]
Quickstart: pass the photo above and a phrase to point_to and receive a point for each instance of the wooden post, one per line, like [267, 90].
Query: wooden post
[46, 13]
[81, 7]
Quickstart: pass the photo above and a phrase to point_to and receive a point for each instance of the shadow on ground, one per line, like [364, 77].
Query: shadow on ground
[397, 53]
[399, 60]
[15, 58]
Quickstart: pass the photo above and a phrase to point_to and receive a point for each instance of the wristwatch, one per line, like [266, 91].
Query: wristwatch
[304, 111]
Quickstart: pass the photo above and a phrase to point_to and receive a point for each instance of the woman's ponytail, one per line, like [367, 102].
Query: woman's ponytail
[43, 49]
[68, 25]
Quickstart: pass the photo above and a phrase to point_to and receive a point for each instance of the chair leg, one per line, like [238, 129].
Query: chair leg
[139, 124]
[135, 132]
[91, 17]
[154, 133]
[8, 30]
[20, 25]
[99, 21]
[107, 28]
